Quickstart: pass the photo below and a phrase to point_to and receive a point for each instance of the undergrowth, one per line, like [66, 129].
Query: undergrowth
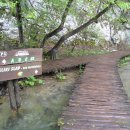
[31, 82]
[81, 52]
[60, 76]
[81, 69]
[124, 61]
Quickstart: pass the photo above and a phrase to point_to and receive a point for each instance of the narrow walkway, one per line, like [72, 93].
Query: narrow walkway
[99, 101]
[61, 64]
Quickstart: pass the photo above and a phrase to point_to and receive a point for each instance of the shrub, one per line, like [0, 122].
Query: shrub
[31, 82]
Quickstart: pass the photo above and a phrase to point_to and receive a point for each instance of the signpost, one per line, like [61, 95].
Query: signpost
[16, 64]
[21, 63]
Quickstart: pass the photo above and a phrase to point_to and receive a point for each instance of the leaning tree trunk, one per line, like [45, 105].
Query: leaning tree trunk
[75, 31]
[19, 21]
[60, 27]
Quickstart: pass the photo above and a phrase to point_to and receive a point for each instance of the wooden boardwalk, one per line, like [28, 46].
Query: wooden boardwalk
[61, 64]
[99, 101]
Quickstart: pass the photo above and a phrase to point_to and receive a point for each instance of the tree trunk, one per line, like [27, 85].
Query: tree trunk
[75, 31]
[54, 32]
[19, 21]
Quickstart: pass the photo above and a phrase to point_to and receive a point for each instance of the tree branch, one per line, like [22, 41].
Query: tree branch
[99, 6]
[60, 27]
[19, 21]
[33, 7]
[73, 32]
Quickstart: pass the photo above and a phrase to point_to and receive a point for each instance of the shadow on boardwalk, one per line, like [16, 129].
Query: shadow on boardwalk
[98, 101]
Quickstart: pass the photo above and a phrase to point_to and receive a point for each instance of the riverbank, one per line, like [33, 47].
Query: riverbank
[41, 105]
[124, 72]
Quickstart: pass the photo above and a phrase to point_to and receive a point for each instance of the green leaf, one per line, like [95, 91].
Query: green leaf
[32, 78]
[123, 5]
[112, 1]
[31, 15]
[41, 81]
[31, 83]
[26, 82]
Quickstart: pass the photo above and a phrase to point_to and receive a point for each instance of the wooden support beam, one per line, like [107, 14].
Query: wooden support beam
[14, 97]
[17, 94]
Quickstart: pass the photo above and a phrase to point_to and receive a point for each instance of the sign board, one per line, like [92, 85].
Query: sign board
[20, 63]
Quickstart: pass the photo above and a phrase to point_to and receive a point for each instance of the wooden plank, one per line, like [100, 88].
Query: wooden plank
[20, 56]
[16, 71]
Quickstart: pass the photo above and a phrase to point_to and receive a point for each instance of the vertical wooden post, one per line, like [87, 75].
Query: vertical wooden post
[13, 95]
[17, 95]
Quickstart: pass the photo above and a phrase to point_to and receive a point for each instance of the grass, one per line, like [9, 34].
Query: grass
[60, 76]
[124, 61]
[81, 52]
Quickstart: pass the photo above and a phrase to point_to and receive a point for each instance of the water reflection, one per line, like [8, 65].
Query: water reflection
[41, 107]
[125, 77]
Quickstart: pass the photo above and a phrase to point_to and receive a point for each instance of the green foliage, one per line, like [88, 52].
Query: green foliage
[3, 4]
[82, 52]
[112, 1]
[31, 82]
[121, 20]
[124, 61]
[81, 69]
[123, 5]
[60, 76]
[84, 42]
[60, 122]
[31, 15]
[41, 19]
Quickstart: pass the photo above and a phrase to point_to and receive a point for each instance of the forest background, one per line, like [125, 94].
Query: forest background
[52, 24]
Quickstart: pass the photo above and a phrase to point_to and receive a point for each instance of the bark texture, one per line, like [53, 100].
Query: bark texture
[19, 21]
[60, 27]
[80, 28]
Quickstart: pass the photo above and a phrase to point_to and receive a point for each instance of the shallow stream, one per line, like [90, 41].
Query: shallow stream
[41, 105]
[124, 72]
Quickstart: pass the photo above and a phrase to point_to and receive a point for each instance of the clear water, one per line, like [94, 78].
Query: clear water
[41, 107]
[125, 77]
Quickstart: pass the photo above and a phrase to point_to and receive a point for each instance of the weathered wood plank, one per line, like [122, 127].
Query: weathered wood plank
[99, 101]
[10, 72]
[20, 56]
